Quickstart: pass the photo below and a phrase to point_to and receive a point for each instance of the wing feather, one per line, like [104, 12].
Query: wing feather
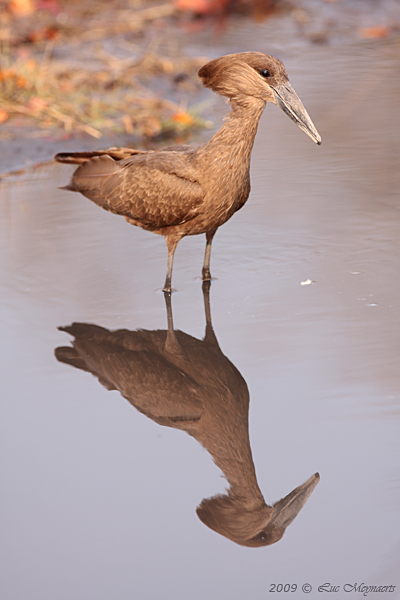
[155, 189]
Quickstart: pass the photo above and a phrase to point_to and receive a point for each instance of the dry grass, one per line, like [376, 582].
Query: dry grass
[96, 93]
[52, 95]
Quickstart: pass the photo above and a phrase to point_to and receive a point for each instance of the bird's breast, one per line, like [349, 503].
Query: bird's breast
[227, 192]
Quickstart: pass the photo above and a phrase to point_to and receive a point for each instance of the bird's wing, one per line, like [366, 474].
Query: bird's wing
[156, 189]
[146, 379]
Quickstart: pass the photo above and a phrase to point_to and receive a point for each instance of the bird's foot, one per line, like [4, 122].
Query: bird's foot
[167, 289]
[206, 275]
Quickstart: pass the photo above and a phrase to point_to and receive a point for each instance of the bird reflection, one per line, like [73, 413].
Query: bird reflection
[189, 384]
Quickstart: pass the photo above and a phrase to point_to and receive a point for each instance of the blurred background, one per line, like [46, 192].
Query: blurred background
[126, 70]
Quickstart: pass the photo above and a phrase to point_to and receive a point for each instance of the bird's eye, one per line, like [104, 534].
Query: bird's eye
[262, 536]
[265, 73]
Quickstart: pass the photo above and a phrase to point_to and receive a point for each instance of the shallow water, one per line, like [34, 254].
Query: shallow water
[98, 500]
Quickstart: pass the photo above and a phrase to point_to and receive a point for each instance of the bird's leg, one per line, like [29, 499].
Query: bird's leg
[171, 343]
[207, 255]
[210, 335]
[172, 242]
[206, 295]
[168, 306]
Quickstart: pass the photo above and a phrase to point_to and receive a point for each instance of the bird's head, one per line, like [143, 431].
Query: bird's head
[255, 523]
[259, 76]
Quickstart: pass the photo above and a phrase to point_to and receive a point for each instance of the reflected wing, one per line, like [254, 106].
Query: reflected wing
[155, 189]
[148, 380]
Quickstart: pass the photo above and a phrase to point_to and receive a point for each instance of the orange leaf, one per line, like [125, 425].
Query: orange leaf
[3, 115]
[30, 64]
[19, 81]
[202, 7]
[197, 6]
[378, 31]
[21, 8]
[183, 118]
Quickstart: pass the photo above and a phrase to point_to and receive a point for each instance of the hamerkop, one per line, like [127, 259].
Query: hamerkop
[188, 190]
[189, 384]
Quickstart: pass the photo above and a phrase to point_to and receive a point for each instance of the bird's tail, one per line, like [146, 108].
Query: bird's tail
[91, 173]
[78, 158]
[84, 329]
[69, 356]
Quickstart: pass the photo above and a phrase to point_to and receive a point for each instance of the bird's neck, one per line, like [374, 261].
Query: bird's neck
[240, 473]
[225, 435]
[234, 140]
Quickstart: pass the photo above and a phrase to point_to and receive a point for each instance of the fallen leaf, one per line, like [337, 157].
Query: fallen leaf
[21, 8]
[201, 7]
[197, 6]
[378, 31]
[30, 64]
[183, 118]
[9, 74]
[3, 115]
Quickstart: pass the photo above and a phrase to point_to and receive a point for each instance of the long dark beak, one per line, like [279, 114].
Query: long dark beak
[287, 509]
[291, 104]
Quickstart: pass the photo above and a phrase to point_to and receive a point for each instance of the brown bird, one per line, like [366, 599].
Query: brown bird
[189, 384]
[188, 190]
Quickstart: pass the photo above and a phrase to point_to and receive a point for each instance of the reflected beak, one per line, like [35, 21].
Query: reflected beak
[287, 509]
[291, 104]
